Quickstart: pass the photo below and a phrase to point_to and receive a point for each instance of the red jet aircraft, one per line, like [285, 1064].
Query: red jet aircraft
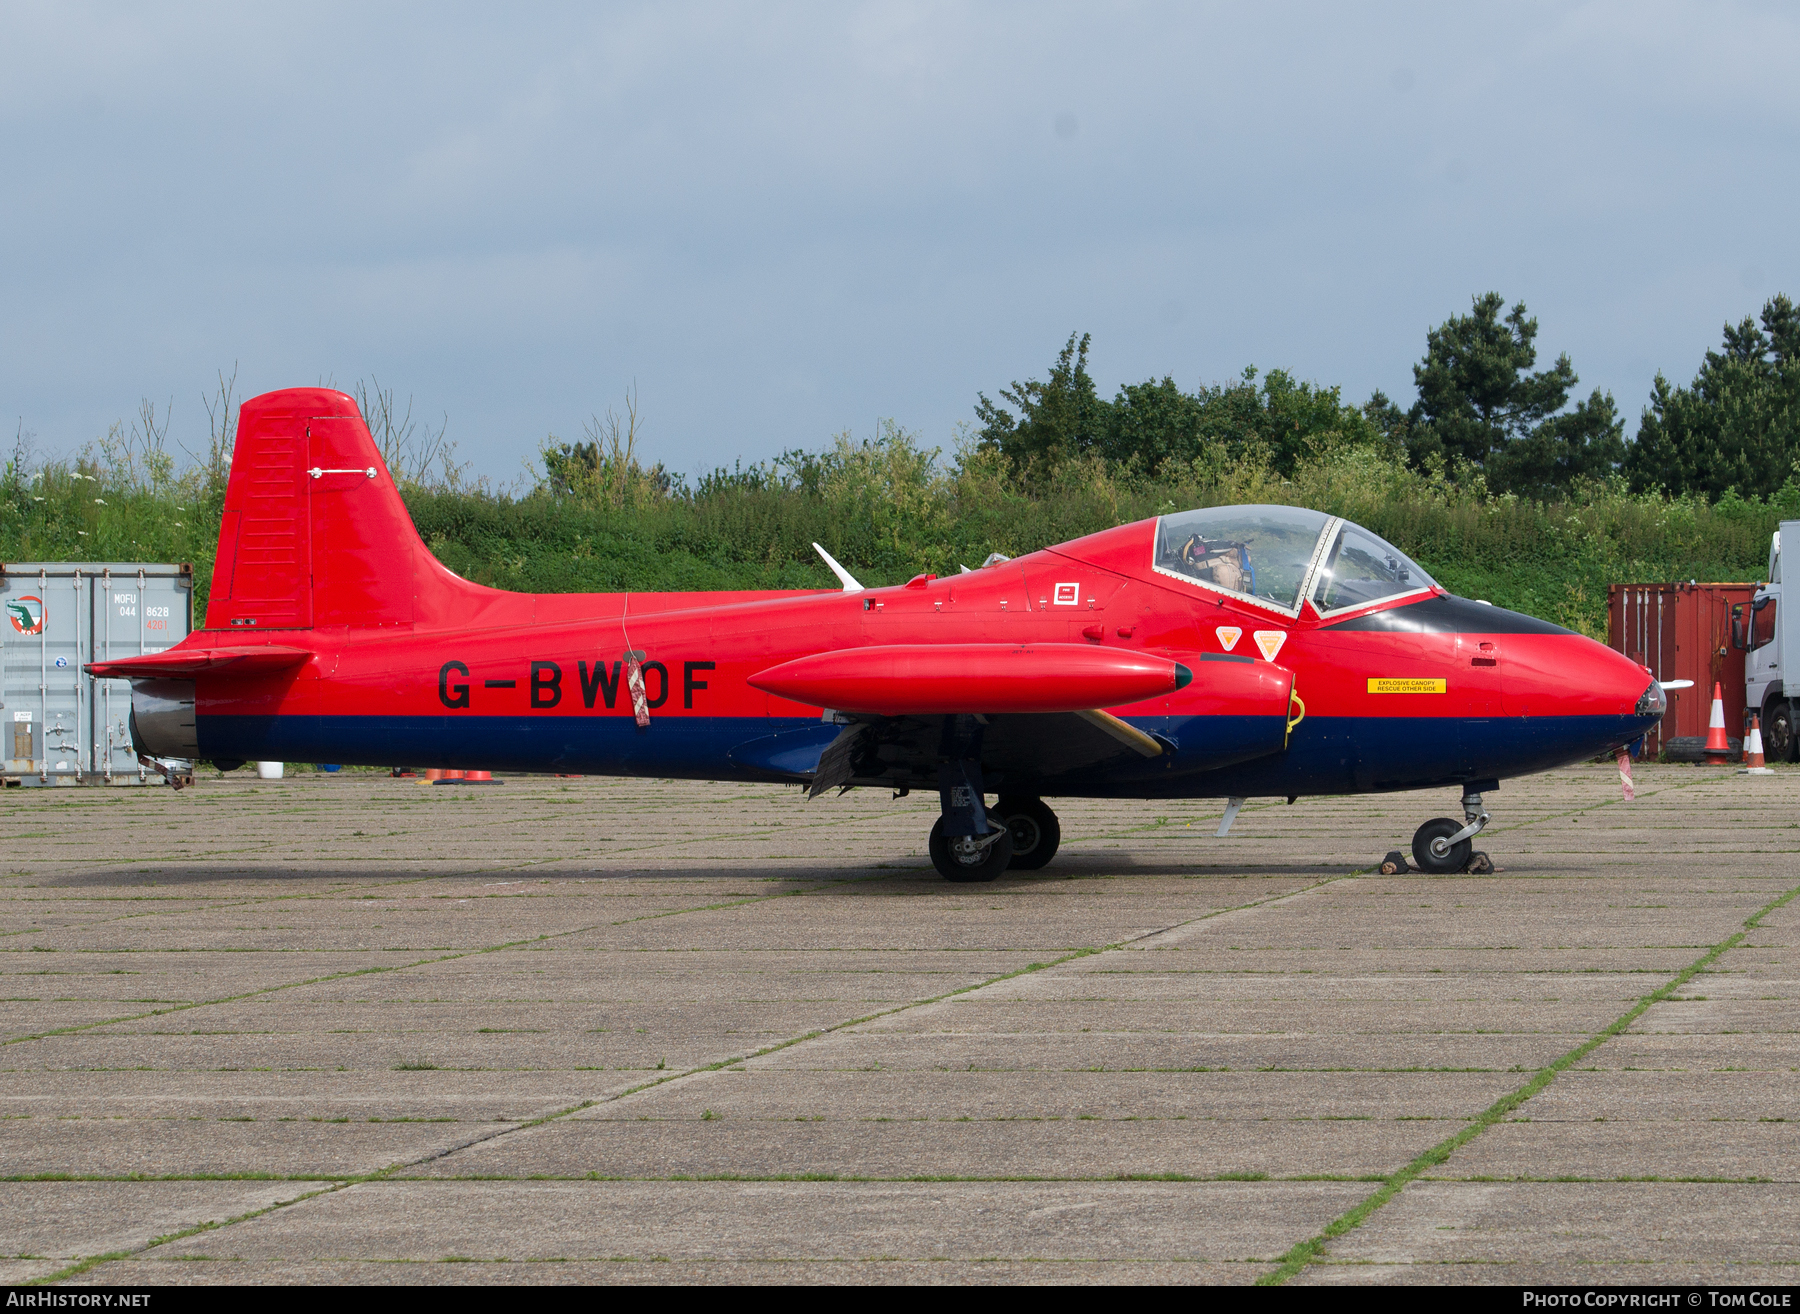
[1231, 652]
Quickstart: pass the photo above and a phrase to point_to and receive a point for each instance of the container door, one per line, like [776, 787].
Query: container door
[1645, 629]
[21, 641]
[116, 632]
[46, 704]
[136, 610]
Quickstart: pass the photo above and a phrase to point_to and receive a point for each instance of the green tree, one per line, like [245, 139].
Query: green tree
[1738, 425]
[1154, 424]
[1393, 424]
[1587, 442]
[1160, 430]
[1059, 418]
[1482, 406]
[1286, 418]
[1301, 420]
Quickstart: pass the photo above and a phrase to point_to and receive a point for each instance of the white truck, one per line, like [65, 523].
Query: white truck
[1764, 631]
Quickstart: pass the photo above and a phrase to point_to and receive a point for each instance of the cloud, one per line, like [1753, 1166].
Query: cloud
[782, 221]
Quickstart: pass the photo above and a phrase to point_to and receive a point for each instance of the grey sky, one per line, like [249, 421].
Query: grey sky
[785, 221]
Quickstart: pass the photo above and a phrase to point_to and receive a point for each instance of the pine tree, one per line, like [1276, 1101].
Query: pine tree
[1480, 406]
[1738, 424]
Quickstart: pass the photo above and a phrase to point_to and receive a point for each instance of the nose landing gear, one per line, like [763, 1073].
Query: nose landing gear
[1441, 846]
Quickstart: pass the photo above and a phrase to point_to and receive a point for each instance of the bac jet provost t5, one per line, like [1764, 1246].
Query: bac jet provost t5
[1232, 652]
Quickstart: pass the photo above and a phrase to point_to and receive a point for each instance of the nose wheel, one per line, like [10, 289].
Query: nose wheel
[1436, 849]
[1442, 846]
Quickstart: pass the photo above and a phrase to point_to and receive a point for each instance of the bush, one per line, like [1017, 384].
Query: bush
[889, 508]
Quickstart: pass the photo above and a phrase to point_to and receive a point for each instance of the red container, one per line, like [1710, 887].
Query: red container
[1682, 632]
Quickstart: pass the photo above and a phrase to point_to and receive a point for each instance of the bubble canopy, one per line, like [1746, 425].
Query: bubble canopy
[1275, 555]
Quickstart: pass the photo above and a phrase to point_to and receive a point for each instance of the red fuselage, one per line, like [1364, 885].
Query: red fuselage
[378, 655]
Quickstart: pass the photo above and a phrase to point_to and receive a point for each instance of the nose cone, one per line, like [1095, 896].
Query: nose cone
[1568, 675]
[1640, 700]
[1574, 699]
[1626, 689]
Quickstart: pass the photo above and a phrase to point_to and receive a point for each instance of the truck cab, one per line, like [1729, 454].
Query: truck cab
[1766, 633]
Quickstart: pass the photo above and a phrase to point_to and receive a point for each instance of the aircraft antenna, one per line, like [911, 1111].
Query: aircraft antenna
[849, 580]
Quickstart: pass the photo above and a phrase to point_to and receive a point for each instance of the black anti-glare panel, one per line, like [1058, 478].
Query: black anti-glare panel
[1449, 615]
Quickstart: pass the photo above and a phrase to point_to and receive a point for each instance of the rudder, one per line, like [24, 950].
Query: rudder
[314, 532]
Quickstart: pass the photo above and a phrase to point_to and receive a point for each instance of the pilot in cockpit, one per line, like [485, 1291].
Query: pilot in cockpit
[1216, 563]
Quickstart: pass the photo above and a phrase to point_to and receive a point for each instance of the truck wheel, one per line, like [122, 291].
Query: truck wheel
[1778, 731]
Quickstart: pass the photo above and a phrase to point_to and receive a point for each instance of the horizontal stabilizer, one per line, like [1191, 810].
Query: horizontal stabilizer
[185, 665]
[925, 679]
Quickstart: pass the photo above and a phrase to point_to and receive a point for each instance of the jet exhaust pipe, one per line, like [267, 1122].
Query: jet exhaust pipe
[162, 718]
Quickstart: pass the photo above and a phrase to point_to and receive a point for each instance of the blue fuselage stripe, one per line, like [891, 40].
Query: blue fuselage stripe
[1325, 755]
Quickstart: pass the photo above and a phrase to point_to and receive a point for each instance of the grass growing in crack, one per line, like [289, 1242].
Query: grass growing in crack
[1313, 1248]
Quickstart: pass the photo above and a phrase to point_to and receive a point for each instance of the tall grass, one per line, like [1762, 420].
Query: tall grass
[122, 499]
[890, 507]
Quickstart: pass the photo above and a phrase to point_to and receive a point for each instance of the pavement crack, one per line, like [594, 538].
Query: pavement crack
[398, 967]
[675, 1078]
[82, 1265]
[1313, 1249]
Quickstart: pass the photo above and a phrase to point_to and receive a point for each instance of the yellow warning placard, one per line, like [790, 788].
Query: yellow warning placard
[1383, 684]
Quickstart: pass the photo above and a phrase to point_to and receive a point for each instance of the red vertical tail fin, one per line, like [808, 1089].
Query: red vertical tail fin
[314, 532]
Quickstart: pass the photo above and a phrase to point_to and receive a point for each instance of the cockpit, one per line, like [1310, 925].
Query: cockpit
[1275, 555]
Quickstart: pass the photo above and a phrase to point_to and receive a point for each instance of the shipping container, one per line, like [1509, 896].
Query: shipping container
[60, 725]
[1682, 632]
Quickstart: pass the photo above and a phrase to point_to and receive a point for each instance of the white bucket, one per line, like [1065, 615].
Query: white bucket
[268, 770]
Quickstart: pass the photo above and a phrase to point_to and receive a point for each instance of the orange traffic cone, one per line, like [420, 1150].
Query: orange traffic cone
[468, 778]
[1753, 750]
[1718, 748]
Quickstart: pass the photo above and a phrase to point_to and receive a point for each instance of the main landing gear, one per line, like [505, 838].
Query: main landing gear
[973, 842]
[969, 857]
[1441, 846]
[1035, 831]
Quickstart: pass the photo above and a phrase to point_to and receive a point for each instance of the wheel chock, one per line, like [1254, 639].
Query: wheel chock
[1480, 864]
[1394, 864]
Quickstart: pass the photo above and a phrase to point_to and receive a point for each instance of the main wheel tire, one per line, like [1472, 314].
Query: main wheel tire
[1778, 731]
[951, 866]
[1035, 831]
[1454, 858]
